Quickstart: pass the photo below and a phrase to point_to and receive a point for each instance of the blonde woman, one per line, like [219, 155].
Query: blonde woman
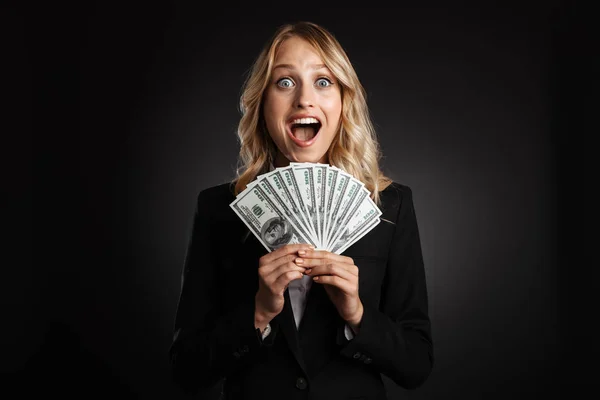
[298, 322]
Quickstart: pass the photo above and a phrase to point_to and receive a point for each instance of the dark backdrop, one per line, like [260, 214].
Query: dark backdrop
[136, 111]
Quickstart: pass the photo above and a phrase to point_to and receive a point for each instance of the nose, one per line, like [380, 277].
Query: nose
[305, 96]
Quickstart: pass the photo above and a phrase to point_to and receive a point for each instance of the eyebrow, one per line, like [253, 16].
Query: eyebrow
[290, 66]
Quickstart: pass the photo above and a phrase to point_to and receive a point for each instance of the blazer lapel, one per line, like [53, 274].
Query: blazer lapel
[318, 329]
[285, 319]
[315, 305]
[287, 325]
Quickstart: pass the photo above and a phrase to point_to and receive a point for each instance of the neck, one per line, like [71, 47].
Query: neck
[282, 161]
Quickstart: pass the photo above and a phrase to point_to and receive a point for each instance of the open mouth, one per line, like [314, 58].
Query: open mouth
[304, 130]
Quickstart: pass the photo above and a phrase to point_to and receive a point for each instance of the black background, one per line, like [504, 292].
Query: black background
[133, 110]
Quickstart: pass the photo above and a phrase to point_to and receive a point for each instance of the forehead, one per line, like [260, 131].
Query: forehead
[297, 51]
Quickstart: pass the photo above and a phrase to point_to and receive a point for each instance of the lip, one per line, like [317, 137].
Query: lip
[293, 138]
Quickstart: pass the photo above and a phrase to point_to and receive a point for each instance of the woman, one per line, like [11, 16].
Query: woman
[297, 321]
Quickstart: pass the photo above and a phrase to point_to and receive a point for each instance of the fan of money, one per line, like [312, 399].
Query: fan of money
[312, 203]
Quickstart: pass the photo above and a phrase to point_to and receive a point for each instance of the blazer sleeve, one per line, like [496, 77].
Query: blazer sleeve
[395, 338]
[208, 342]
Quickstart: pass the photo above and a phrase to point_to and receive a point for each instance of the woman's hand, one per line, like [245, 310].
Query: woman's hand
[275, 271]
[340, 277]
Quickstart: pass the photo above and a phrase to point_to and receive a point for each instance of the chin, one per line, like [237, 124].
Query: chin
[306, 159]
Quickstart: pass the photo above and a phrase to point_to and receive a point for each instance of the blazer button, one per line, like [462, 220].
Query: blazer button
[237, 355]
[245, 349]
[368, 361]
[301, 383]
[357, 355]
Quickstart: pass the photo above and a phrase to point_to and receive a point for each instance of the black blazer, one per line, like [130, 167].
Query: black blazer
[214, 334]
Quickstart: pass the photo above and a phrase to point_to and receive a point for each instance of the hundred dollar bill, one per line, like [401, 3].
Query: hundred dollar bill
[320, 173]
[342, 181]
[330, 186]
[330, 181]
[305, 178]
[286, 201]
[363, 219]
[289, 179]
[355, 198]
[265, 220]
[344, 194]
[277, 200]
[356, 236]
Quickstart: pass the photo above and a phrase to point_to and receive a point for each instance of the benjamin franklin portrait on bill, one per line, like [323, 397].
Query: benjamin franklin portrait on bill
[276, 232]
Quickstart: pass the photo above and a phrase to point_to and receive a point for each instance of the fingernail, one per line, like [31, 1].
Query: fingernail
[307, 271]
[301, 252]
[316, 278]
[299, 261]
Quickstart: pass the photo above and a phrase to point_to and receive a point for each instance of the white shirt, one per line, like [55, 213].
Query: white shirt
[298, 291]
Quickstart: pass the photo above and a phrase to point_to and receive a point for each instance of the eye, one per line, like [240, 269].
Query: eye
[285, 83]
[324, 82]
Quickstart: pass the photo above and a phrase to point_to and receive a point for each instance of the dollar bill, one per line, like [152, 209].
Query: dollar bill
[321, 197]
[289, 204]
[320, 173]
[315, 203]
[277, 200]
[290, 181]
[265, 220]
[356, 236]
[354, 203]
[345, 194]
[331, 181]
[365, 217]
[303, 173]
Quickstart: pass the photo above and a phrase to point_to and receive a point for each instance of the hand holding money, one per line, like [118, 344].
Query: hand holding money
[340, 277]
[275, 271]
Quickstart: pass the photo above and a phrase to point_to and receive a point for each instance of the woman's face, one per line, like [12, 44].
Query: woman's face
[303, 104]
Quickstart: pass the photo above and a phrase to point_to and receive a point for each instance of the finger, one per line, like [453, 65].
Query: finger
[334, 280]
[284, 280]
[283, 251]
[271, 277]
[312, 263]
[341, 270]
[327, 255]
[269, 268]
[284, 268]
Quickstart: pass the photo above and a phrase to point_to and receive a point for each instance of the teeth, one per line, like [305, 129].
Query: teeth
[305, 121]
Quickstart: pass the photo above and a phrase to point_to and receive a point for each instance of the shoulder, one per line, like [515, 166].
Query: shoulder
[395, 194]
[218, 194]
[396, 198]
[397, 189]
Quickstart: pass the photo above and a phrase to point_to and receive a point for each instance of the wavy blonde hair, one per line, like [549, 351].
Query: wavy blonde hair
[355, 148]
